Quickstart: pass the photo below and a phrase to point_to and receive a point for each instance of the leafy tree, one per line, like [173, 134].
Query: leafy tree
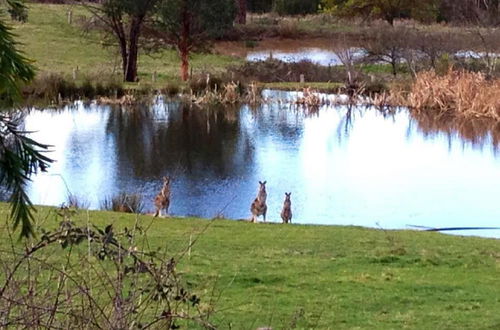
[20, 156]
[125, 20]
[389, 10]
[190, 24]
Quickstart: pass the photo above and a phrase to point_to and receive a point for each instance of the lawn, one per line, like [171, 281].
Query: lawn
[325, 276]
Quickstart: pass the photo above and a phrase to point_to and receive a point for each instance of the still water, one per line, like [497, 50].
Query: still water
[348, 166]
[318, 51]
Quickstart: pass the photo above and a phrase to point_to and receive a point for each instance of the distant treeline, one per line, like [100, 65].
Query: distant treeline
[471, 11]
[284, 7]
[484, 12]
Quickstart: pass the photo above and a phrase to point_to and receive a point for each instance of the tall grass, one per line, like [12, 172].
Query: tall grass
[457, 93]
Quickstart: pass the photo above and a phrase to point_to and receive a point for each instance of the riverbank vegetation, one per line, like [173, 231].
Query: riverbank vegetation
[249, 276]
[79, 55]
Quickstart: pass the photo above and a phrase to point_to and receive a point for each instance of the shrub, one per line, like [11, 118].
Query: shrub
[95, 278]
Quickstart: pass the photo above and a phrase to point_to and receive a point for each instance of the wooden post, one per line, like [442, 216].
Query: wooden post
[153, 77]
[302, 79]
[75, 73]
[70, 17]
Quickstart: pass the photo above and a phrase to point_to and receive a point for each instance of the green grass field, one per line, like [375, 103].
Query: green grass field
[326, 276]
[56, 46]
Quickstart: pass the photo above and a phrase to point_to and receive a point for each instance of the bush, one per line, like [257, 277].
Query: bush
[95, 278]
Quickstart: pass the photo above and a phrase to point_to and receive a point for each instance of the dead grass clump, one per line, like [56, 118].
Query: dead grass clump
[253, 94]
[123, 202]
[309, 98]
[460, 94]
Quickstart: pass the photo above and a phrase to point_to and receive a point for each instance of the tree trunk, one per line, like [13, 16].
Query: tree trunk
[133, 50]
[124, 54]
[241, 17]
[184, 43]
[184, 64]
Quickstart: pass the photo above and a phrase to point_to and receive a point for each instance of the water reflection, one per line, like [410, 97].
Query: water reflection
[344, 165]
[478, 132]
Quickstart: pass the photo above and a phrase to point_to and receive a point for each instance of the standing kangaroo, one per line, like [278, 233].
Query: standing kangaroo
[286, 213]
[162, 200]
[259, 206]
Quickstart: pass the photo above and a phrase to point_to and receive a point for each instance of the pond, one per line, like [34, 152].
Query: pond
[344, 166]
[318, 51]
[315, 50]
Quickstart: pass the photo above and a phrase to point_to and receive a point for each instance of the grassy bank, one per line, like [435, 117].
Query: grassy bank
[58, 47]
[323, 276]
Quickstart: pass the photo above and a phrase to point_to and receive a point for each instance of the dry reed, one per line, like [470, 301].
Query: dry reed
[457, 94]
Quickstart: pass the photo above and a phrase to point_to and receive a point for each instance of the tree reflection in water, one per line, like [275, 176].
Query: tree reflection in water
[177, 137]
[478, 132]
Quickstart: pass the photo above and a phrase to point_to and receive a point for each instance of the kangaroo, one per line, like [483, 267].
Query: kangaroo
[286, 213]
[162, 200]
[259, 206]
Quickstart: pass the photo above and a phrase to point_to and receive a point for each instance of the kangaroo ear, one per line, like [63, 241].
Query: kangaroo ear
[265, 182]
[260, 182]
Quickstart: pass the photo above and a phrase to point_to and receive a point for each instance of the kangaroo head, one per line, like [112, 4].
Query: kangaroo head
[262, 187]
[287, 196]
[166, 182]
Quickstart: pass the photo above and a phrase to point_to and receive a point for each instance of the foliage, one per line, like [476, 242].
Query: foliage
[389, 10]
[20, 156]
[15, 69]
